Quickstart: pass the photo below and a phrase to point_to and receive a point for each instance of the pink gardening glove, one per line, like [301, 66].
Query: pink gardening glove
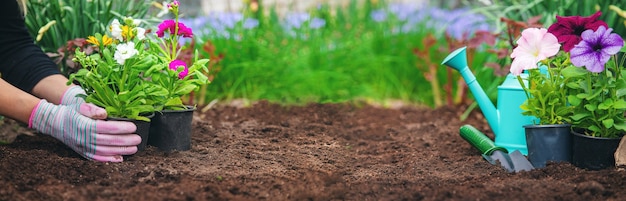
[97, 140]
[90, 110]
[70, 95]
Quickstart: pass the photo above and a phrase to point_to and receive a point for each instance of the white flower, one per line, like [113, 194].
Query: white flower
[116, 30]
[125, 51]
[141, 33]
[136, 22]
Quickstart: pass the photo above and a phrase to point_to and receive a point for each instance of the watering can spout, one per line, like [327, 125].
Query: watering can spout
[458, 61]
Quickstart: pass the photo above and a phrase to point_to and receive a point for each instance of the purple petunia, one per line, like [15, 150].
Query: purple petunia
[596, 48]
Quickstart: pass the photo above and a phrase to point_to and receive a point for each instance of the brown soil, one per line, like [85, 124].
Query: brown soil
[313, 152]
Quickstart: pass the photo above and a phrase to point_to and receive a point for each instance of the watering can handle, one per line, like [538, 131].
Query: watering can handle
[479, 140]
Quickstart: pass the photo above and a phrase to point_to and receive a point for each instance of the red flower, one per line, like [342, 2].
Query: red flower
[170, 25]
[568, 29]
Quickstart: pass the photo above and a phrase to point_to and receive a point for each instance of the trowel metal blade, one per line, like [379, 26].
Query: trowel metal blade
[520, 162]
[499, 157]
[513, 162]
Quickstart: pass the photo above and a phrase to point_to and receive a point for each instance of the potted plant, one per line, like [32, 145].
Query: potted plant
[548, 138]
[112, 75]
[596, 88]
[171, 126]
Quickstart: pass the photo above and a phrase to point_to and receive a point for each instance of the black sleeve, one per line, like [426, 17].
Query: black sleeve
[22, 63]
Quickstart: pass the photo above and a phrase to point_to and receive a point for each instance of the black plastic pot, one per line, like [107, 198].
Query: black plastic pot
[143, 130]
[171, 129]
[548, 143]
[593, 153]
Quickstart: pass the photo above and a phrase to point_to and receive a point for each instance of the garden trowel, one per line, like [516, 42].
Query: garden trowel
[512, 162]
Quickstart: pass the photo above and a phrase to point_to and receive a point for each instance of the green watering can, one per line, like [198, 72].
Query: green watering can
[507, 120]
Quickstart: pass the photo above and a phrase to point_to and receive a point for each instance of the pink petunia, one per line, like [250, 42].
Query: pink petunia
[536, 44]
[176, 64]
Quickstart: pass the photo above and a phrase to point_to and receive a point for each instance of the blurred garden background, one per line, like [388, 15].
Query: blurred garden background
[327, 51]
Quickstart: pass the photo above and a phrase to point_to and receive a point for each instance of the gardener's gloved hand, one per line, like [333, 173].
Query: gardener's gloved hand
[93, 139]
[70, 98]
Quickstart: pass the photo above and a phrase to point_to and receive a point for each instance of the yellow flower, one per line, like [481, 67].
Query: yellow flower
[106, 40]
[127, 32]
[93, 40]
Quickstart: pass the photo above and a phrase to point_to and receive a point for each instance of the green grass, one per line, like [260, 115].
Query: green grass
[352, 58]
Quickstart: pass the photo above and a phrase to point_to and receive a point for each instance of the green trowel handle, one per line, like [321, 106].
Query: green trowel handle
[479, 140]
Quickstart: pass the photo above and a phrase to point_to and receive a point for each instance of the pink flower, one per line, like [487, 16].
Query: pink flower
[170, 26]
[176, 64]
[536, 44]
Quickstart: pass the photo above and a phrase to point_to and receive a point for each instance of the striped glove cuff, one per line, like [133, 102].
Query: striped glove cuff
[70, 96]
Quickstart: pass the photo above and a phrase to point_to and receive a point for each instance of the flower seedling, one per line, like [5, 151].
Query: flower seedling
[581, 86]
[113, 76]
[170, 73]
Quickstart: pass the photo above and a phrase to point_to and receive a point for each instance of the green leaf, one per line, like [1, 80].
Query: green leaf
[594, 128]
[620, 126]
[152, 69]
[173, 103]
[620, 104]
[572, 71]
[124, 96]
[591, 107]
[185, 89]
[573, 85]
[579, 116]
[608, 123]
[606, 104]
[595, 94]
[142, 118]
[573, 100]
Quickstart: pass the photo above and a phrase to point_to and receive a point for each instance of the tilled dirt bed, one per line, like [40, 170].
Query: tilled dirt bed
[313, 152]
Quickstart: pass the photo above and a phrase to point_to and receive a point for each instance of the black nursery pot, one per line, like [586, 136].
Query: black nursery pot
[143, 130]
[548, 143]
[593, 153]
[171, 129]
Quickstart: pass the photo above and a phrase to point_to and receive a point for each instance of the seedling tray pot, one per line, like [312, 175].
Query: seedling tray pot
[593, 153]
[548, 143]
[170, 130]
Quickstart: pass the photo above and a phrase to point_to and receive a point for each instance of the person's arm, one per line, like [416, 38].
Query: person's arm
[15, 103]
[52, 88]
